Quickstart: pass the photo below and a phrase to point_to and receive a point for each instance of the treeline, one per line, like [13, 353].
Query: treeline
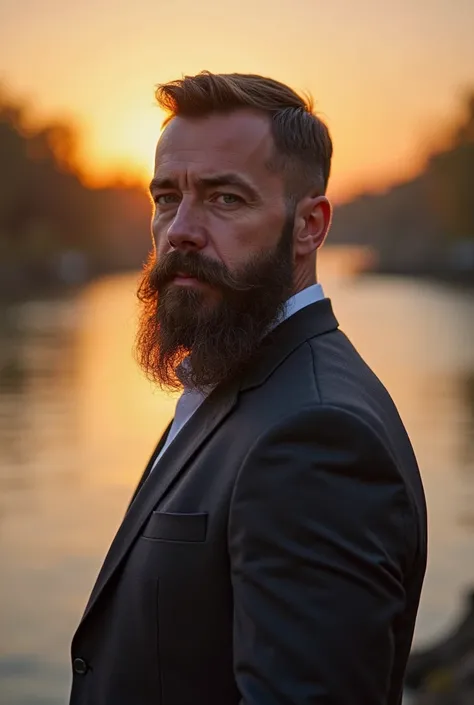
[425, 225]
[54, 230]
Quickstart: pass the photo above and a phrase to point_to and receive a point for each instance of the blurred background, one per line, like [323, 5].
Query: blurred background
[78, 127]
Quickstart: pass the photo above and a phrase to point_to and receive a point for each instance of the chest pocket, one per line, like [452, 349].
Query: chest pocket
[172, 526]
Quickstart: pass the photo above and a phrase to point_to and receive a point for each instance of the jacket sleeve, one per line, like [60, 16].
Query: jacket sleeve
[319, 535]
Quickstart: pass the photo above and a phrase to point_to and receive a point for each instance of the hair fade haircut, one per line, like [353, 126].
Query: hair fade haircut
[303, 146]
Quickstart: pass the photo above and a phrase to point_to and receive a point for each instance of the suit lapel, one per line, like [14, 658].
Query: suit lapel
[151, 462]
[154, 484]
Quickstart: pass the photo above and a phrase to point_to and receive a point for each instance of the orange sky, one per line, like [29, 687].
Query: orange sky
[387, 76]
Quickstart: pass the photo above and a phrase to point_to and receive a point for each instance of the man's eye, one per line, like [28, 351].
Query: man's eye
[166, 199]
[228, 199]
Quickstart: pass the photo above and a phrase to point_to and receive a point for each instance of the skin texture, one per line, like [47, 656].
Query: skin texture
[229, 222]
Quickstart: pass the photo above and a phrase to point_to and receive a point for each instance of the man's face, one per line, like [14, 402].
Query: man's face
[213, 191]
[222, 266]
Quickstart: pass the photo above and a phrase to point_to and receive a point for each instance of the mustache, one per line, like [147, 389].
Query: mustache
[204, 269]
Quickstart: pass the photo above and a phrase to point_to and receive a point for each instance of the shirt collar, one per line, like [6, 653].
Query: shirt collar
[300, 300]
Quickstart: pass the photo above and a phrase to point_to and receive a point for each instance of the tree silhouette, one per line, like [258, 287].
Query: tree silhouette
[451, 179]
[46, 211]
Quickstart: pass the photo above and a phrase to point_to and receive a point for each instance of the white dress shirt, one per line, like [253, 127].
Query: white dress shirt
[191, 398]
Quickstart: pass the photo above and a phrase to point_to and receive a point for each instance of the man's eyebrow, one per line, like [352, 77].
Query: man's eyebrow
[228, 179]
[162, 183]
[211, 181]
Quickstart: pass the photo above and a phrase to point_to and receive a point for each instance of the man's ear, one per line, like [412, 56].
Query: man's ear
[312, 222]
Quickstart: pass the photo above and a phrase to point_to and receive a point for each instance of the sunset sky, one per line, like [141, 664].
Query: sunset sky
[388, 77]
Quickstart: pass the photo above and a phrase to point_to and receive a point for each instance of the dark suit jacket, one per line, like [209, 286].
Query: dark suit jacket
[276, 554]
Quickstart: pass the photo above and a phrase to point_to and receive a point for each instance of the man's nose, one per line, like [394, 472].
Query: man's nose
[186, 232]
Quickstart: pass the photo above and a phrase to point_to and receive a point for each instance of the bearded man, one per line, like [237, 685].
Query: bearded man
[274, 550]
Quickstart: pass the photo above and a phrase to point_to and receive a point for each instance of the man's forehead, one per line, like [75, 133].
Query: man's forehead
[236, 138]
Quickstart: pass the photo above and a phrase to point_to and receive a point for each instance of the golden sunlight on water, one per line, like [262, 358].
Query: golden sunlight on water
[77, 422]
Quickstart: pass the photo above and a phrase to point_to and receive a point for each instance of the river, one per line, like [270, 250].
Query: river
[78, 421]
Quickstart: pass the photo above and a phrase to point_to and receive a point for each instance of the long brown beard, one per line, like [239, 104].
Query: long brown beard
[217, 338]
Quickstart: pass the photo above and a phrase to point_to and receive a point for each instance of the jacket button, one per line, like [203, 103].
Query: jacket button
[80, 666]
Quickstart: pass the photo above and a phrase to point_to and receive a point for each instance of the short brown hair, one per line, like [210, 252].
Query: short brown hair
[303, 146]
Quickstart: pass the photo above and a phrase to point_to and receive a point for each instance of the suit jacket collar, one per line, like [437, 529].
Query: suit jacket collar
[309, 322]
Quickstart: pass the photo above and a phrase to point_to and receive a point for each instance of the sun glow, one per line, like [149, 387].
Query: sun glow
[123, 148]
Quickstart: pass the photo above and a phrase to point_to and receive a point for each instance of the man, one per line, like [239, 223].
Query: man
[274, 551]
